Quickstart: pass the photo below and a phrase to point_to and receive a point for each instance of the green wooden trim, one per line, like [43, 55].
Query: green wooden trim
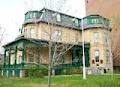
[9, 56]
[5, 57]
[23, 53]
[15, 55]
[38, 50]
[63, 57]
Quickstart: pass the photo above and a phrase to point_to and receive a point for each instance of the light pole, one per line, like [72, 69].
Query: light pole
[83, 50]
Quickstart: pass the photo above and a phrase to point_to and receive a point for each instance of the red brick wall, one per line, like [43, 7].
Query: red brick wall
[111, 10]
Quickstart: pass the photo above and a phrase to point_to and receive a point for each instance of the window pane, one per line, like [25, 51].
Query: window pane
[19, 57]
[97, 54]
[58, 17]
[12, 58]
[95, 36]
[76, 22]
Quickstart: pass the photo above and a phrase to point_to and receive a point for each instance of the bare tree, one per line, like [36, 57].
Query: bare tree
[57, 48]
[2, 38]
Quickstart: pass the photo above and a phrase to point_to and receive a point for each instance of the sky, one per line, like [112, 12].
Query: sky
[12, 14]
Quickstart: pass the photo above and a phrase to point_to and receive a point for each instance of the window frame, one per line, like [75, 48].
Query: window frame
[58, 17]
[97, 55]
[95, 37]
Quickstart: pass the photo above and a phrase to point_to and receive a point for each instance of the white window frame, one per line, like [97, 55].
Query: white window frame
[12, 58]
[95, 37]
[95, 20]
[58, 17]
[96, 54]
[76, 22]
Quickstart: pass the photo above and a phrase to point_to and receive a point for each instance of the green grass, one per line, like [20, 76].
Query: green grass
[63, 81]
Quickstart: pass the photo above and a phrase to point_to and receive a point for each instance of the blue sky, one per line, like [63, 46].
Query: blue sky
[12, 13]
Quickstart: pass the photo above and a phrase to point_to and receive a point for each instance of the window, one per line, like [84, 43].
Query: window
[107, 56]
[76, 22]
[41, 16]
[7, 57]
[30, 15]
[85, 21]
[106, 38]
[97, 54]
[32, 33]
[31, 56]
[34, 15]
[95, 37]
[19, 57]
[94, 21]
[12, 58]
[58, 17]
[28, 33]
[56, 35]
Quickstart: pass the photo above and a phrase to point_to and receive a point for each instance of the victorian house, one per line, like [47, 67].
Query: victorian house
[31, 48]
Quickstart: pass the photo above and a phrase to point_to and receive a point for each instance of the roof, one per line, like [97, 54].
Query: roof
[35, 41]
[48, 17]
[38, 42]
[96, 15]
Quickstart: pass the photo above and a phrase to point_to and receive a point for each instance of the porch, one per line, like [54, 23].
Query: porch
[24, 53]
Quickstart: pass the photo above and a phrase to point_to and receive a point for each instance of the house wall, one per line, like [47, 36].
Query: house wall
[67, 35]
[43, 55]
[71, 36]
[101, 45]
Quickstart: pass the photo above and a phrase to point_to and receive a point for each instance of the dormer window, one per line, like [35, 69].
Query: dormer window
[31, 15]
[76, 22]
[94, 21]
[58, 17]
[34, 15]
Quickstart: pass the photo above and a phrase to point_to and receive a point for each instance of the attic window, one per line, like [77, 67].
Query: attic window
[76, 22]
[94, 21]
[58, 17]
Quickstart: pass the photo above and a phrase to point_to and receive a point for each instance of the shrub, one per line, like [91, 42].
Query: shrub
[36, 72]
[70, 71]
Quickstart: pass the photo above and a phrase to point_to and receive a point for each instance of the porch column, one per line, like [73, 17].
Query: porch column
[9, 56]
[23, 54]
[5, 57]
[73, 55]
[15, 61]
[15, 55]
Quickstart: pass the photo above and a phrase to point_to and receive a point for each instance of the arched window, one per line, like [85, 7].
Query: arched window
[97, 55]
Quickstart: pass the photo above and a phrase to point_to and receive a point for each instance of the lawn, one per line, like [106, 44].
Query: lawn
[63, 81]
